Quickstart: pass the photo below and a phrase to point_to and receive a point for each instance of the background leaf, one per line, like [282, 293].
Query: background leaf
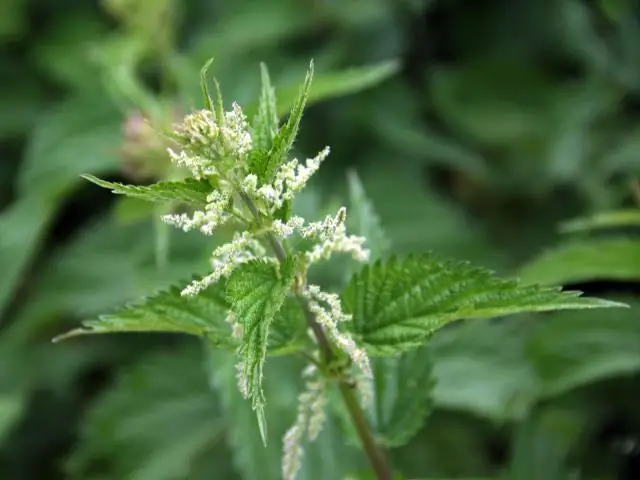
[579, 261]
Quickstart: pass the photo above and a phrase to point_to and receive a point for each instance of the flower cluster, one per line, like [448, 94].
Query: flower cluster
[309, 421]
[208, 143]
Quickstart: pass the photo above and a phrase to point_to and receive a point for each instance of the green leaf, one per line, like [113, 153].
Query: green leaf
[265, 122]
[284, 139]
[190, 191]
[256, 291]
[288, 333]
[543, 442]
[396, 305]
[403, 389]
[334, 84]
[572, 350]
[362, 218]
[481, 367]
[204, 85]
[615, 219]
[582, 260]
[168, 311]
[158, 420]
[326, 458]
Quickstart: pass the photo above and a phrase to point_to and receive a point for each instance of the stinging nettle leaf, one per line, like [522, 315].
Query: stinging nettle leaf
[363, 219]
[397, 304]
[168, 311]
[265, 122]
[582, 260]
[191, 192]
[256, 291]
[204, 86]
[602, 220]
[403, 387]
[285, 137]
[342, 82]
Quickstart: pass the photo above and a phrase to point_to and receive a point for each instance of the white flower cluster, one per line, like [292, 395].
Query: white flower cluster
[332, 234]
[207, 220]
[290, 178]
[206, 142]
[309, 421]
[329, 318]
[236, 332]
[226, 258]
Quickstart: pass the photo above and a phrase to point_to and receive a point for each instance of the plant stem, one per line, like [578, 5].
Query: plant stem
[377, 456]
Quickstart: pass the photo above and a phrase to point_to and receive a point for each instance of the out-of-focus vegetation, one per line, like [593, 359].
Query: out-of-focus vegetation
[479, 130]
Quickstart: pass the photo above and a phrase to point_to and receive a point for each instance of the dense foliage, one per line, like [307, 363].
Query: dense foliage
[502, 133]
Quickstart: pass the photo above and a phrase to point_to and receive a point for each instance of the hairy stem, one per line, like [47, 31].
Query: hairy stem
[377, 456]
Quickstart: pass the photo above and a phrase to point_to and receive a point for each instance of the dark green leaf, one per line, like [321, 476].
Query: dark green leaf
[398, 304]
[168, 311]
[190, 191]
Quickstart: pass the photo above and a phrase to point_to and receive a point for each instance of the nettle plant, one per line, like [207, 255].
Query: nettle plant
[257, 300]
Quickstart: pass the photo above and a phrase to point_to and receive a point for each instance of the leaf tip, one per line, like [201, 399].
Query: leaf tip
[262, 424]
[70, 334]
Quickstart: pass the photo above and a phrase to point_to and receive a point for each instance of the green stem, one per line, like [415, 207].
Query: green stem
[377, 456]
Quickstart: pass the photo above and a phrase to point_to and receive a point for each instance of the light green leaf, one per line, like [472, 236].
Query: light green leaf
[403, 388]
[168, 311]
[362, 218]
[284, 139]
[334, 84]
[208, 103]
[573, 350]
[397, 304]
[615, 219]
[582, 260]
[159, 420]
[256, 291]
[265, 122]
[190, 191]
[480, 367]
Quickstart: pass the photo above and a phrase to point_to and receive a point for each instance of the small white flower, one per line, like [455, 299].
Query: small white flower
[289, 179]
[226, 258]
[206, 221]
[310, 419]
[330, 319]
[332, 234]
[288, 228]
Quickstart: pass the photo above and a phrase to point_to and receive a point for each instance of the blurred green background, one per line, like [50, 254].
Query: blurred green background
[475, 129]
